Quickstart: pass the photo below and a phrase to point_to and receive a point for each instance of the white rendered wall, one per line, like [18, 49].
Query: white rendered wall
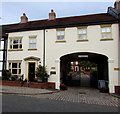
[21, 55]
[55, 50]
[109, 48]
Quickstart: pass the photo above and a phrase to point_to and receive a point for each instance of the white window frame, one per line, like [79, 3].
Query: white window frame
[10, 67]
[106, 32]
[82, 34]
[12, 44]
[60, 31]
[33, 43]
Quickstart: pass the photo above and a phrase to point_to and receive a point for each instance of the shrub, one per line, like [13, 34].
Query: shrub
[6, 74]
[13, 78]
[41, 73]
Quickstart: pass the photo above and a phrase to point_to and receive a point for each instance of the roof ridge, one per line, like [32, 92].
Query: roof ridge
[54, 19]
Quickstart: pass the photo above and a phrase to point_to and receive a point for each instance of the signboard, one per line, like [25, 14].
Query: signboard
[82, 56]
[117, 69]
[52, 72]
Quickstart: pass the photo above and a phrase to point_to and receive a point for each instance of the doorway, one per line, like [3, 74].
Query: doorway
[31, 71]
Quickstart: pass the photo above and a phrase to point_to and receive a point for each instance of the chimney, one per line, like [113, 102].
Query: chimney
[117, 4]
[24, 18]
[52, 15]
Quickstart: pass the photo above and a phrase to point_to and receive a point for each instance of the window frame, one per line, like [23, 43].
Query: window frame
[78, 34]
[33, 37]
[107, 38]
[19, 44]
[11, 68]
[59, 30]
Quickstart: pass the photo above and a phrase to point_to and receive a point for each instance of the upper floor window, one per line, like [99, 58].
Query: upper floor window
[1, 44]
[60, 34]
[16, 43]
[106, 32]
[32, 42]
[15, 67]
[82, 33]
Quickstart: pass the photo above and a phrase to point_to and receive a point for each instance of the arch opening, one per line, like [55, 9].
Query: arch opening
[83, 69]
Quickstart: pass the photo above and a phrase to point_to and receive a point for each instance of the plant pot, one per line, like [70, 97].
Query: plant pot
[45, 80]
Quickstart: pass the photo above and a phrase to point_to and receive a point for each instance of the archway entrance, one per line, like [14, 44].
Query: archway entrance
[83, 69]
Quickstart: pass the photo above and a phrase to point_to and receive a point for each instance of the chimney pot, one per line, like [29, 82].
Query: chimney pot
[52, 15]
[24, 18]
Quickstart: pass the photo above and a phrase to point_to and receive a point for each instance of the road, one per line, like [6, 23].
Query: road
[14, 103]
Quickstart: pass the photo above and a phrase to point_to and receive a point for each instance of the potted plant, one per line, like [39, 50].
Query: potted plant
[63, 87]
[6, 74]
[41, 73]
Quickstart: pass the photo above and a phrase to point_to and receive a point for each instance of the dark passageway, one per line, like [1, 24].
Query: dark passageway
[89, 68]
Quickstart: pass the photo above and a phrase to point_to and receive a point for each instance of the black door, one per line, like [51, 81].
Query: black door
[31, 71]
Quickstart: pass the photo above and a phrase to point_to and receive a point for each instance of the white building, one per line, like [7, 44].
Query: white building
[55, 42]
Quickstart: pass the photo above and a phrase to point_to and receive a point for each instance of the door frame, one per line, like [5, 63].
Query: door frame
[30, 60]
[29, 69]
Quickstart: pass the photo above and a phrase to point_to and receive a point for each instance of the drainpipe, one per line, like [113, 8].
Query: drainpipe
[44, 47]
[119, 57]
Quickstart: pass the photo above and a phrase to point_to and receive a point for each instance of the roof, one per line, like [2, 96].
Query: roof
[94, 19]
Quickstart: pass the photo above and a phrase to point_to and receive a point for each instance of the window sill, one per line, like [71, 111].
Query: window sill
[15, 50]
[106, 39]
[82, 40]
[32, 49]
[16, 75]
[60, 41]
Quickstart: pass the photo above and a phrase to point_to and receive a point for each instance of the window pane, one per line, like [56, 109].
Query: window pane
[1, 44]
[62, 32]
[1, 55]
[19, 71]
[108, 35]
[15, 41]
[106, 29]
[19, 65]
[1, 64]
[20, 40]
[32, 40]
[20, 46]
[60, 37]
[14, 65]
[10, 46]
[15, 46]
[32, 46]
[82, 37]
[82, 31]
[10, 42]
[14, 71]
[58, 32]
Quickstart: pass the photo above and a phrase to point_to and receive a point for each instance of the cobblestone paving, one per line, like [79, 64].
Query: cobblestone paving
[83, 95]
[73, 94]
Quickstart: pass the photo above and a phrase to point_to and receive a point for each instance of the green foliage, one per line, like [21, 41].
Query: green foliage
[6, 74]
[13, 78]
[86, 64]
[41, 72]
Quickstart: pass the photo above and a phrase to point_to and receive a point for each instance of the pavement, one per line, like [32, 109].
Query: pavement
[73, 94]
[25, 90]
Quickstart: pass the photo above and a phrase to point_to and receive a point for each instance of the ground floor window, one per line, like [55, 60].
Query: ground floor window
[1, 64]
[15, 68]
